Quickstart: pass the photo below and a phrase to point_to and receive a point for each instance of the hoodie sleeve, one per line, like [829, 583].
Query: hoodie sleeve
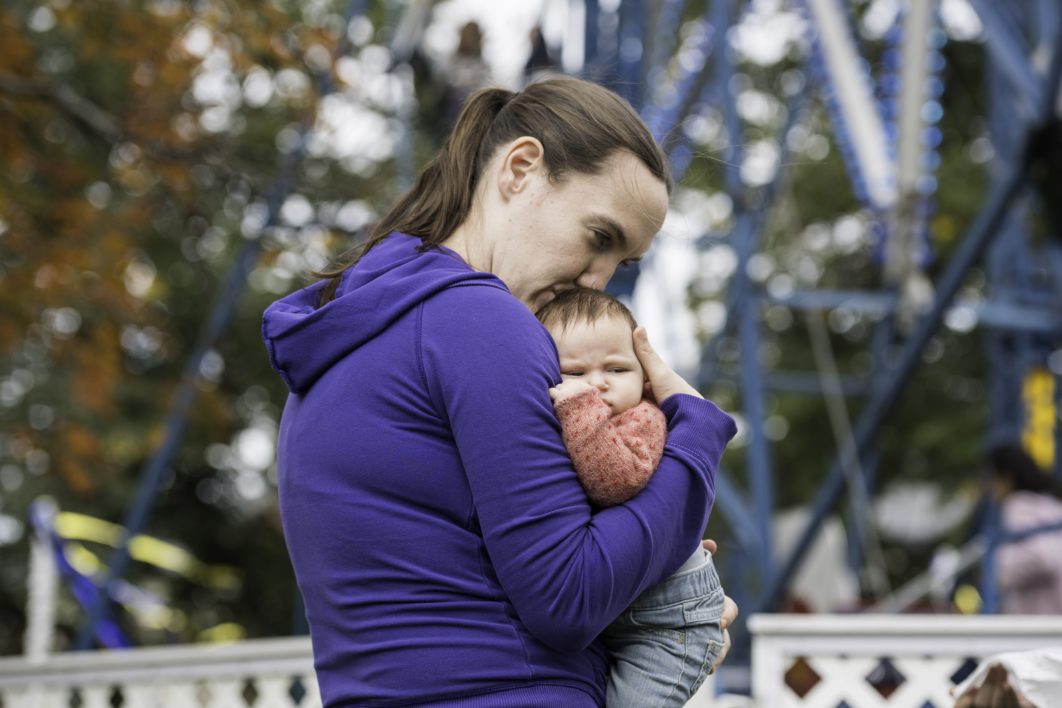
[488, 365]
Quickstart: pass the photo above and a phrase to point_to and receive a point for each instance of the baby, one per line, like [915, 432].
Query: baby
[615, 437]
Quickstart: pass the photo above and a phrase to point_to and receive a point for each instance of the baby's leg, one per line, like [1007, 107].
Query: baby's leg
[664, 645]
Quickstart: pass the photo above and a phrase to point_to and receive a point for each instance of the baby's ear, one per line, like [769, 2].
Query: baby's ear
[647, 388]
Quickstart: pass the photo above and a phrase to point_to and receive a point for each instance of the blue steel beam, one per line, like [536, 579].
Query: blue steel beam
[873, 416]
[1013, 316]
[631, 51]
[153, 473]
[992, 530]
[740, 517]
[710, 358]
[674, 98]
[1006, 48]
[867, 302]
[663, 121]
[803, 382]
[591, 36]
[811, 383]
[1048, 16]
[746, 240]
[1018, 318]
[664, 36]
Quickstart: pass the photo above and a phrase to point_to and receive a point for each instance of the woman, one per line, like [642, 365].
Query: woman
[1029, 570]
[445, 550]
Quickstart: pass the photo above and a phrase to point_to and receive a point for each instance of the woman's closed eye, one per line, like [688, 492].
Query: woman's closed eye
[602, 240]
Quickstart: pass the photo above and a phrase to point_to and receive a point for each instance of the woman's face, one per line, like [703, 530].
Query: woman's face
[552, 236]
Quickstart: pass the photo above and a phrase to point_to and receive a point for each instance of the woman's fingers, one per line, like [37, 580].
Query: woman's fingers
[722, 652]
[730, 612]
[662, 378]
[651, 361]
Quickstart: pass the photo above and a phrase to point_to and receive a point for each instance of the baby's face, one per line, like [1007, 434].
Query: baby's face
[602, 355]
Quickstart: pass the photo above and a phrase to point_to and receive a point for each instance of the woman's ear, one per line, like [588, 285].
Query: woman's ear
[521, 162]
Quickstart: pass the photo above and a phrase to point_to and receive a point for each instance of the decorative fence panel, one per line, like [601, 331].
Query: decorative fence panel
[880, 661]
[798, 661]
[269, 673]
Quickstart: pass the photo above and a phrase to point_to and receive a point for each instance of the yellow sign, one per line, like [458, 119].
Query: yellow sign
[1038, 437]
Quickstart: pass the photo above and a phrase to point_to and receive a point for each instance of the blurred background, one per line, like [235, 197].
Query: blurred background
[862, 261]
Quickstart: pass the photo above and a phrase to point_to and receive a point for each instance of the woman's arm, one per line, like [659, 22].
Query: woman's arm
[488, 365]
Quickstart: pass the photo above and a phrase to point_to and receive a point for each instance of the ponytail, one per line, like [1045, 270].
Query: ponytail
[441, 198]
[580, 125]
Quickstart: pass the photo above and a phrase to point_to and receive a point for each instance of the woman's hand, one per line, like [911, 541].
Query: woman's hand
[663, 381]
[730, 612]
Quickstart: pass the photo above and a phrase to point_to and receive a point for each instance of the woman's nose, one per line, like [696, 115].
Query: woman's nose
[591, 280]
[595, 277]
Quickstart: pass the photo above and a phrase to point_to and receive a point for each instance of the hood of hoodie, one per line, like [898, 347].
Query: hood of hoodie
[304, 340]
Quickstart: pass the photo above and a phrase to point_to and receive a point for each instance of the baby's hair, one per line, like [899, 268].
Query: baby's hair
[583, 305]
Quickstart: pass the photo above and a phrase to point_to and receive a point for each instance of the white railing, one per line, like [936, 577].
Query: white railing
[265, 673]
[827, 658]
[912, 659]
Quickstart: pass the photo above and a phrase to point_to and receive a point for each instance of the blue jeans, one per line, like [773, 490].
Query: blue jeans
[664, 645]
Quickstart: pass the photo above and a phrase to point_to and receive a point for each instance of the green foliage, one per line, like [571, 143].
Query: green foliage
[135, 140]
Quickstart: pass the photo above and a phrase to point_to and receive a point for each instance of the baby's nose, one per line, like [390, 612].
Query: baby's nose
[598, 381]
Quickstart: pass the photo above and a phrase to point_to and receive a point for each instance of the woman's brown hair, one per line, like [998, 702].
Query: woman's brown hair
[580, 125]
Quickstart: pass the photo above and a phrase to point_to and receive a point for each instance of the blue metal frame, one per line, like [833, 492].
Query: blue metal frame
[986, 226]
[1021, 316]
[1007, 50]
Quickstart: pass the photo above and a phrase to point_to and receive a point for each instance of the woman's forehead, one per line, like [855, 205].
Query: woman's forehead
[629, 191]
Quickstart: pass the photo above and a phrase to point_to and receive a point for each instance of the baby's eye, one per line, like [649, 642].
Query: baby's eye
[572, 373]
[618, 370]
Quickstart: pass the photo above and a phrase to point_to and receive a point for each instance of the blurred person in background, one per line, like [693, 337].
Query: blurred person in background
[1029, 571]
[540, 62]
[467, 71]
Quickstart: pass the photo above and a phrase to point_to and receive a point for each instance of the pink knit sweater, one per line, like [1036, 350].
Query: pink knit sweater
[614, 456]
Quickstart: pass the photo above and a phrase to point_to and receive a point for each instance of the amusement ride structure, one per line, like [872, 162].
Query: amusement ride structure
[885, 121]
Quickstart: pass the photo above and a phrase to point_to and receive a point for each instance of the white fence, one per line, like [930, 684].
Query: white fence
[269, 673]
[880, 661]
[862, 661]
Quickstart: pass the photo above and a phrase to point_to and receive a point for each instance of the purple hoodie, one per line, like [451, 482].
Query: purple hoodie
[444, 548]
